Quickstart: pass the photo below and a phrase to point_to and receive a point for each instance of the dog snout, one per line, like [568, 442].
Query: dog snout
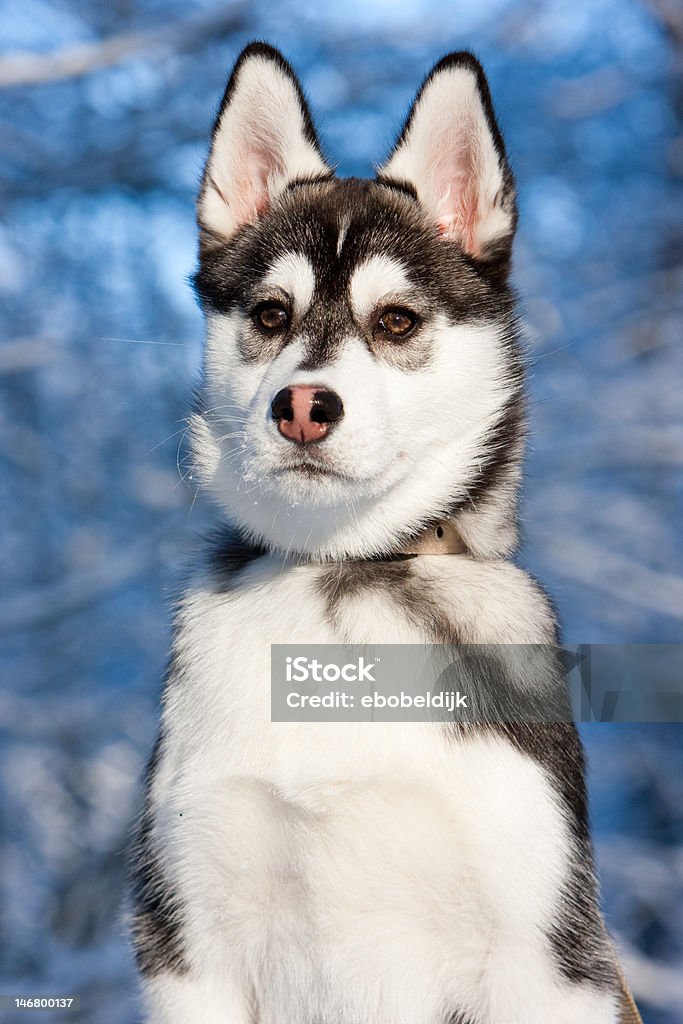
[305, 413]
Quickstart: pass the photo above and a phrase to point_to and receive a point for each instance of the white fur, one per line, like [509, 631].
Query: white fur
[448, 154]
[293, 274]
[378, 278]
[434, 418]
[342, 236]
[346, 872]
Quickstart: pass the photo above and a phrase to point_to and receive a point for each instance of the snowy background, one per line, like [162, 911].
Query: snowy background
[104, 114]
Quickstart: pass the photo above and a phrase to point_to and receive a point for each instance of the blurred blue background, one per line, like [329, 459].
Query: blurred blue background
[104, 115]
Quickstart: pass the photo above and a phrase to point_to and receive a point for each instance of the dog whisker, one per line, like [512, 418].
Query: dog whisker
[145, 341]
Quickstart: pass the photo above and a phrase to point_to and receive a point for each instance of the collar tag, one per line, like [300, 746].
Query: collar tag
[440, 539]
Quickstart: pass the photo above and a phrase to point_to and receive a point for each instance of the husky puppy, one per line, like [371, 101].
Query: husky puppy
[362, 383]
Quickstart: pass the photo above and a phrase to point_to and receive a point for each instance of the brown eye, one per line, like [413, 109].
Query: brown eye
[397, 322]
[272, 318]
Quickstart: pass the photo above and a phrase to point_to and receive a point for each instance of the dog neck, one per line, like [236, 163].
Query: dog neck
[440, 538]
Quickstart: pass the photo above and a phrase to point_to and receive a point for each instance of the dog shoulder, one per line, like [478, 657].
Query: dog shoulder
[494, 601]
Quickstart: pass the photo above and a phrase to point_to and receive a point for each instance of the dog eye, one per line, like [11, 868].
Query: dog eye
[397, 322]
[272, 317]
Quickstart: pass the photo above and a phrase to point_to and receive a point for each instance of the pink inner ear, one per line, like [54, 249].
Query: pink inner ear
[455, 176]
[252, 192]
[460, 229]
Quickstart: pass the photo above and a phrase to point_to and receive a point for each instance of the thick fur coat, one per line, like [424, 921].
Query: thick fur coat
[359, 873]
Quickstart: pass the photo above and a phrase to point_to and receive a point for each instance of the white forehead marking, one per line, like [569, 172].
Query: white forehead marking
[344, 227]
[373, 279]
[294, 274]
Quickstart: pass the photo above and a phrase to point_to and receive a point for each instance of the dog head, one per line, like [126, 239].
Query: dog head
[361, 373]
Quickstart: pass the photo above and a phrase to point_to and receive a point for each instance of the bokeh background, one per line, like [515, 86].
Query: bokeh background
[104, 115]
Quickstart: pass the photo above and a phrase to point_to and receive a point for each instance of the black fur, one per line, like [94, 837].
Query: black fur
[577, 936]
[157, 914]
[381, 220]
[394, 578]
[500, 447]
[228, 554]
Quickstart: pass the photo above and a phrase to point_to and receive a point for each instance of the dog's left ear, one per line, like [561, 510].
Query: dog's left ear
[452, 153]
[263, 139]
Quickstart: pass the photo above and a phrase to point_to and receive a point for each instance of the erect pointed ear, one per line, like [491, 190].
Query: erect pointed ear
[452, 153]
[263, 138]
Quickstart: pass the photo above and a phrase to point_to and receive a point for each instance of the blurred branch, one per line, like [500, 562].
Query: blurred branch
[26, 354]
[591, 94]
[22, 446]
[653, 872]
[91, 163]
[133, 165]
[85, 58]
[614, 574]
[55, 601]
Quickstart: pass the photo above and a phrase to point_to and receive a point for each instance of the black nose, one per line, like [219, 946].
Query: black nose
[304, 413]
[327, 407]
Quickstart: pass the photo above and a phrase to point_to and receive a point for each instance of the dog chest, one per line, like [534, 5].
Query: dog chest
[217, 713]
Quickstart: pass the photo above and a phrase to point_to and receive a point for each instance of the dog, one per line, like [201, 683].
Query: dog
[362, 392]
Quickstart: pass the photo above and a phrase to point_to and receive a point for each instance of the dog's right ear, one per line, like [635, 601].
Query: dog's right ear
[263, 139]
